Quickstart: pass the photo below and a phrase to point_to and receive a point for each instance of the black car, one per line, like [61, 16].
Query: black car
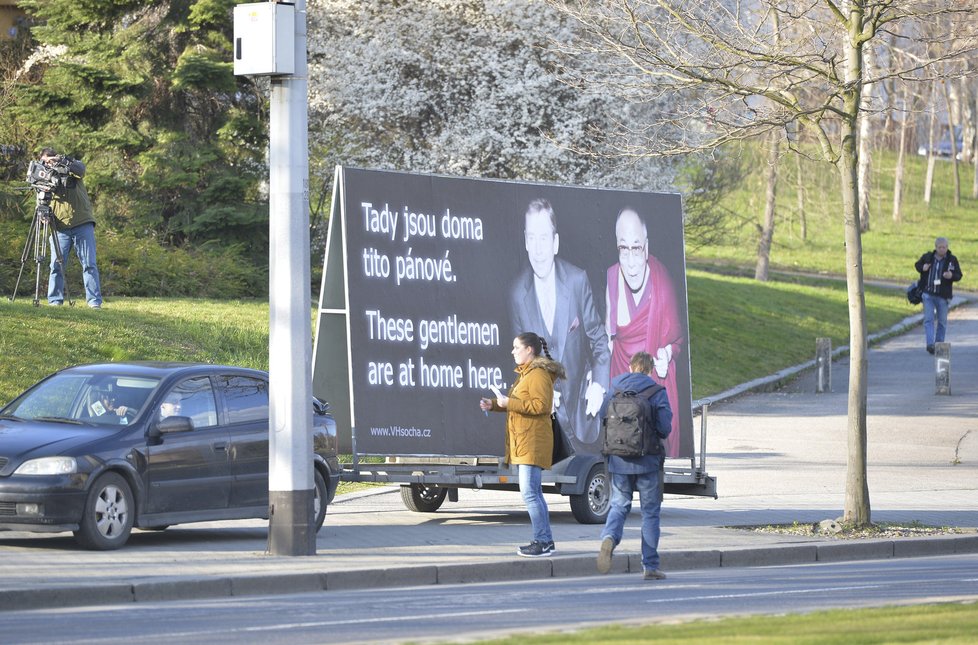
[100, 449]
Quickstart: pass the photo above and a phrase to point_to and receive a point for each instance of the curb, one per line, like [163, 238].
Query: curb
[500, 571]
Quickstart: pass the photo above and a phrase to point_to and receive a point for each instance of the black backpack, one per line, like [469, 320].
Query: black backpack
[629, 426]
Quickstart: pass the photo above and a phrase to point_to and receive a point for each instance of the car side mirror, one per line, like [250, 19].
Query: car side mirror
[319, 406]
[172, 424]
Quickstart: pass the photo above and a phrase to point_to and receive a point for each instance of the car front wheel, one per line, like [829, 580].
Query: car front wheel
[108, 516]
[319, 502]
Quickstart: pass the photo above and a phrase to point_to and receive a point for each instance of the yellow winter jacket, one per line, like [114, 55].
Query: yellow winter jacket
[529, 433]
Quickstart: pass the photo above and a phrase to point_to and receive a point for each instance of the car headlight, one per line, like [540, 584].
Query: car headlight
[48, 466]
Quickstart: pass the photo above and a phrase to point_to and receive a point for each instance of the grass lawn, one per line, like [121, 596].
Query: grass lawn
[941, 623]
[741, 329]
[37, 341]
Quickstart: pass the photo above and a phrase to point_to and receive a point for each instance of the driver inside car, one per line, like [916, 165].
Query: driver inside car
[105, 404]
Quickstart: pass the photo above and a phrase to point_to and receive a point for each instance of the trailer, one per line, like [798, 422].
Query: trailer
[427, 278]
[427, 483]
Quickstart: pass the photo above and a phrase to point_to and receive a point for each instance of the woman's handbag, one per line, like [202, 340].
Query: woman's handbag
[561, 448]
[913, 294]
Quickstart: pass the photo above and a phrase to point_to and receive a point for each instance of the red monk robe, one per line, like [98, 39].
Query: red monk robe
[653, 325]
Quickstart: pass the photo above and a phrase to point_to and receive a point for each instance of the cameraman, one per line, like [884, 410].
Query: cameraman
[74, 226]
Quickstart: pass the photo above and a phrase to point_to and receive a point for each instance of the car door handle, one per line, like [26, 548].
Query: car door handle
[219, 446]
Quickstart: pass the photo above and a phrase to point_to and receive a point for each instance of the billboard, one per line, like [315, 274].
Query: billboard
[428, 279]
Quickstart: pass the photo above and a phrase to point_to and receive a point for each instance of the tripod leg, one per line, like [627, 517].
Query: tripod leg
[40, 255]
[31, 234]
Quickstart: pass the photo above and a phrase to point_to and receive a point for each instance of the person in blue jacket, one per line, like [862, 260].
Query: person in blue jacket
[645, 473]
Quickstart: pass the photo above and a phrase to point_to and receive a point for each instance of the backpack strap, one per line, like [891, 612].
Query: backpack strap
[650, 391]
[647, 394]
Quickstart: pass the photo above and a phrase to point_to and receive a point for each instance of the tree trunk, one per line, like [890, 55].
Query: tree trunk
[800, 192]
[929, 179]
[767, 232]
[857, 510]
[967, 117]
[901, 155]
[954, 144]
[865, 158]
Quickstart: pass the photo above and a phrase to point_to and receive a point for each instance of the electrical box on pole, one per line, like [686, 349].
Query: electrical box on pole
[264, 39]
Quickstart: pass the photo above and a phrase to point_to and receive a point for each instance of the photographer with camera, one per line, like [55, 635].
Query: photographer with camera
[74, 223]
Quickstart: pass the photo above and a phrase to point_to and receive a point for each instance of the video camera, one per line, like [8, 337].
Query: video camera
[54, 178]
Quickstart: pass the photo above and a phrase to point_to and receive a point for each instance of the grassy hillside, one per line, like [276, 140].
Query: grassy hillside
[889, 248]
[739, 330]
[37, 341]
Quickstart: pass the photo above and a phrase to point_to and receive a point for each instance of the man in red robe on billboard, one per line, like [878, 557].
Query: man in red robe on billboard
[642, 313]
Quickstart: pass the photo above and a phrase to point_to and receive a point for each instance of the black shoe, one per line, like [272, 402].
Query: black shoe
[536, 549]
[930, 349]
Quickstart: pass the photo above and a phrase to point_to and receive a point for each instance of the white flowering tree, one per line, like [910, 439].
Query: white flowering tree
[461, 87]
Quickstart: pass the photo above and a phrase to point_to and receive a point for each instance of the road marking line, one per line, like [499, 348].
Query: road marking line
[763, 593]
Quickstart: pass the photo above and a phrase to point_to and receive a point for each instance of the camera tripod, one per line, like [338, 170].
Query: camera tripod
[37, 240]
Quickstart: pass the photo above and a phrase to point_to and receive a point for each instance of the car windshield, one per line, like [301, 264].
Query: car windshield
[88, 398]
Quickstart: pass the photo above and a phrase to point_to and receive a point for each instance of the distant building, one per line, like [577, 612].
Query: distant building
[11, 18]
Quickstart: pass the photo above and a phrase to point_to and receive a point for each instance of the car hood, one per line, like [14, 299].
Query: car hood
[21, 440]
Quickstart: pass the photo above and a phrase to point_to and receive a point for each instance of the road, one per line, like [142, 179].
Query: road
[456, 611]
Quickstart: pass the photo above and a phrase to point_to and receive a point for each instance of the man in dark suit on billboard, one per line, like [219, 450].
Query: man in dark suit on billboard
[553, 299]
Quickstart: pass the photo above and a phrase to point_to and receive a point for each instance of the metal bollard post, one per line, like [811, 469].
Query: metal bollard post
[942, 363]
[823, 365]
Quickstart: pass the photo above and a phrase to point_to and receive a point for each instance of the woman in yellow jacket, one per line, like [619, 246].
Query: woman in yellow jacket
[529, 433]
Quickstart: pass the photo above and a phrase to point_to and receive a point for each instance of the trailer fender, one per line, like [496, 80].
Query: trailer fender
[578, 466]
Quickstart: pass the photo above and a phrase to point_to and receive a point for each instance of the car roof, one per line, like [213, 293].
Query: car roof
[160, 369]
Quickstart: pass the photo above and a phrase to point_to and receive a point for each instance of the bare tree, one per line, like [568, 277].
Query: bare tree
[800, 194]
[866, 114]
[951, 127]
[770, 202]
[931, 145]
[730, 78]
[974, 158]
[906, 122]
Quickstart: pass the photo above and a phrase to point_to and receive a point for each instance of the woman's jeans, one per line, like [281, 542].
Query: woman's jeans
[82, 238]
[934, 307]
[532, 490]
[649, 487]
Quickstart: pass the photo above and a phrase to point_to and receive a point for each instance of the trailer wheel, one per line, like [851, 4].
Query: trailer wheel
[423, 499]
[591, 506]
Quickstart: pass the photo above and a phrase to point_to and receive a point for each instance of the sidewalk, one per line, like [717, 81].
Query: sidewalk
[779, 457]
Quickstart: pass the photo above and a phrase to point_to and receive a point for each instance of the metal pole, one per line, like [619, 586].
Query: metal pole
[290, 477]
[942, 366]
[704, 410]
[823, 361]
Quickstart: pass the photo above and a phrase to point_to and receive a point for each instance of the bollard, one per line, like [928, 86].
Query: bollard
[823, 365]
[942, 362]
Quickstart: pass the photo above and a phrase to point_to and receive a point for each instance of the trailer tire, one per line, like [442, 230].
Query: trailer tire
[423, 499]
[591, 506]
